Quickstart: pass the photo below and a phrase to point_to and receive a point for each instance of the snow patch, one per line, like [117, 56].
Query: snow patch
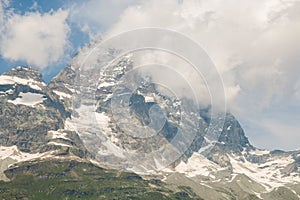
[28, 99]
[259, 152]
[62, 95]
[58, 135]
[233, 177]
[295, 193]
[149, 99]
[7, 92]
[268, 174]
[10, 80]
[103, 122]
[100, 125]
[59, 144]
[197, 165]
[106, 84]
[14, 153]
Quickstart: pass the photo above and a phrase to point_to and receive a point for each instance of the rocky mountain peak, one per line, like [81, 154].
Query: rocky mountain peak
[233, 136]
[32, 114]
[25, 72]
[36, 122]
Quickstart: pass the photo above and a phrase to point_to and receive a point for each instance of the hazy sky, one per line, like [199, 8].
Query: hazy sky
[254, 44]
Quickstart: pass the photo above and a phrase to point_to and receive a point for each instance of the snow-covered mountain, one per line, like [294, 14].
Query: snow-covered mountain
[38, 123]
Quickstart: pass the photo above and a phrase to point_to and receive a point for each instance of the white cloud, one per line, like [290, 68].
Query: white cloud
[94, 16]
[276, 133]
[1, 14]
[253, 51]
[254, 44]
[38, 39]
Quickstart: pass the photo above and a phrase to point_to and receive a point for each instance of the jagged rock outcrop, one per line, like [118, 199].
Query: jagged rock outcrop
[36, 122]
[30, 112]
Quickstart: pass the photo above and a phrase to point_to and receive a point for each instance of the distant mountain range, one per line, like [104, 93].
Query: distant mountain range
[40, 147]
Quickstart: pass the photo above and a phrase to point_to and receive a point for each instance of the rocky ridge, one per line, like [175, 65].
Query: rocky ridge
[35, 124]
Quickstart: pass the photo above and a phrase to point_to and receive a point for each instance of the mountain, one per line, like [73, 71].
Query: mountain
[42, 143]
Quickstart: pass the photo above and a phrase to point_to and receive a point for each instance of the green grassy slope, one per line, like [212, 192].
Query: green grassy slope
[76, 180]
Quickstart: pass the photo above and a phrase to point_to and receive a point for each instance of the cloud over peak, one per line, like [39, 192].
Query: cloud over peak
[254, 44]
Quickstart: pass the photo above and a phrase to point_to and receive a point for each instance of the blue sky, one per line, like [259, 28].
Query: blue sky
[76, 37]
[256, 54]
[85, 21]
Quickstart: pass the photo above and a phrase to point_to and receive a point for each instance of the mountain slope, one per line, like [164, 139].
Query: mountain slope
[69, 179]
[37, 125]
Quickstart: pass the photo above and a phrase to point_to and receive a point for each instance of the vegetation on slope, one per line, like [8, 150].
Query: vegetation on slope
[57, 179]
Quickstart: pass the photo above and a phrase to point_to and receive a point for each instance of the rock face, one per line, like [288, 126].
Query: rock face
[28, 113]
[32, 115]
[36, 122]
[61, 88]
[233, 136]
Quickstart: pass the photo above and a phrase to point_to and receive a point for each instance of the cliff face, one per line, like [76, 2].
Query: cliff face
[38, 122]
[33, 116]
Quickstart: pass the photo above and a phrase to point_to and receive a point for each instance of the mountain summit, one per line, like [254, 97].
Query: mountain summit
[37, 126]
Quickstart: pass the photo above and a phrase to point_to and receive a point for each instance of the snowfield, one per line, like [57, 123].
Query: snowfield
[197, 165]
[10, 80]
[14, 153]
[28, 99]
[268, 174]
